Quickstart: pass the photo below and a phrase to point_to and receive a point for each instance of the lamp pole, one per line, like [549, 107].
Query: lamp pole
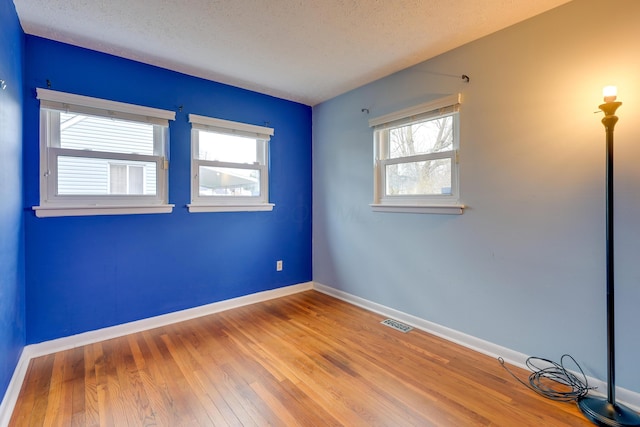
[598, 410]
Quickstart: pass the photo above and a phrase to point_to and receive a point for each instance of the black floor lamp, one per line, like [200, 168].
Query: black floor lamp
[601, 411]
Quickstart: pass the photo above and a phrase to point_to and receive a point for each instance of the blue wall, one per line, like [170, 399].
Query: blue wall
[523, 267]
[12, 306]
[85, 273]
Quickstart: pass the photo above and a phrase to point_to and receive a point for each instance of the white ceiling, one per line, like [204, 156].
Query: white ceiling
[303, 50]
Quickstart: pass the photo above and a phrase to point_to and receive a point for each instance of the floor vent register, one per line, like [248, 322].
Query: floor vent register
[397, 325]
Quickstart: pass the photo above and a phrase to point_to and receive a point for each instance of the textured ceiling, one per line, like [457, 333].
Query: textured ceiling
[303, 50]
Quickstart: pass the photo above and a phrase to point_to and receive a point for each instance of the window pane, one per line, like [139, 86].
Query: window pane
[227, 148]
[93, 176]
[431, 136]
[135, 185]
[431, 177]
[117, 179]
[82, 132]
[216, 181]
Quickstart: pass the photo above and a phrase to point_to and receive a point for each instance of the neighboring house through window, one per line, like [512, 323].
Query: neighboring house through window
[416, 159]
[126, 179]
[100, 157]
[229, 166]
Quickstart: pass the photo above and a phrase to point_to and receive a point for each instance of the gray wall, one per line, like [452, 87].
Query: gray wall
[523, 267]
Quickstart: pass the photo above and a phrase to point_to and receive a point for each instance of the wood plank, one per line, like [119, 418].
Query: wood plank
[302, 360]
[91, 408]
[31, 407]
[57, 392]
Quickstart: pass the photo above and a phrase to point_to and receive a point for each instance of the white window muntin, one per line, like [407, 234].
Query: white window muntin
[260, 135]
[444, 107]
[53, 103]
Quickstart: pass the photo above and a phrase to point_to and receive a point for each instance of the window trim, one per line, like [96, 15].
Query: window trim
[54, 205]
[438, 204]
[228, 203]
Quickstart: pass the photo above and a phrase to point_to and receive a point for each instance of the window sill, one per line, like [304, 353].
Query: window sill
[55, 211]
[194, 208]
[452, 209]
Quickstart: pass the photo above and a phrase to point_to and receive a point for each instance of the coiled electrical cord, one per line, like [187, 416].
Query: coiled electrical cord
[557, 374]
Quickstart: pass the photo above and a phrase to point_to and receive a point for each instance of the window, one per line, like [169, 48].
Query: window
[100, 157]
[416, 159]
[229, 166]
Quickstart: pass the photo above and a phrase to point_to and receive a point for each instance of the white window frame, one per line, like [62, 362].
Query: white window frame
[53, 204]
[432, 203]
[218, 203]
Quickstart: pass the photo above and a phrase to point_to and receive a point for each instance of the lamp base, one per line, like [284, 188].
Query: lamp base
[602, 413]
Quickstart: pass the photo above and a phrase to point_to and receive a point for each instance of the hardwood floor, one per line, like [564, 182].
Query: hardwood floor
[302, 360]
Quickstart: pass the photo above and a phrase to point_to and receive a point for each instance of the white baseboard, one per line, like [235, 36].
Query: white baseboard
[13, 390]
[66, 343]
[624, 396]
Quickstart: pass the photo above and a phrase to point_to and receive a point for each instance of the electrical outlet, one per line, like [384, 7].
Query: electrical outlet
[279, 265]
